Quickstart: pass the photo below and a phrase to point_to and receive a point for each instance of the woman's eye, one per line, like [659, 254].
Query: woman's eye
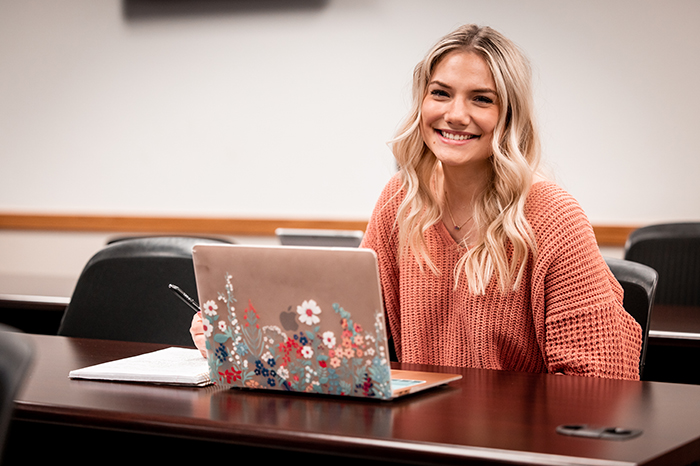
[483, 99]
[439, 93]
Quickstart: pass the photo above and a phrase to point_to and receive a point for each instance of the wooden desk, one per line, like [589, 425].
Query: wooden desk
[36, 290]
[675, 324]
[34, 304]
[488, 416]
[673, 351]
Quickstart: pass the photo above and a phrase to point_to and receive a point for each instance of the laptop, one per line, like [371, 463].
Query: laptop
[299, 319]
[318, 237]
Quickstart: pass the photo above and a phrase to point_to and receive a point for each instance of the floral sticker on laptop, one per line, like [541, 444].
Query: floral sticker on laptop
[242, 352]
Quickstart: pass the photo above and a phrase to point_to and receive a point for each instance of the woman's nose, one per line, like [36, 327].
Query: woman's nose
[457, 114]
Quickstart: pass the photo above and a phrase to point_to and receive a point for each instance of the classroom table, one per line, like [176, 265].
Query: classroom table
[36, 291]
[673, 351]
[488, 416]
[675, 325]
[34, 304]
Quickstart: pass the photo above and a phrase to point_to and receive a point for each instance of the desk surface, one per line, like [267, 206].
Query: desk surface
[675, 323]
[487, 416]
[36, 291]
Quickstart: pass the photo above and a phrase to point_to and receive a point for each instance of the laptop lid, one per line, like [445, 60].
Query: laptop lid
[298, 319]
[318, 237]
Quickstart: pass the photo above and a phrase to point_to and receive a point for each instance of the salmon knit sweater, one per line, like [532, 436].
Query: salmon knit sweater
[566, 316]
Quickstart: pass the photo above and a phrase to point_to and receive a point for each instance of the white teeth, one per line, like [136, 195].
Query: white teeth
[457, 137]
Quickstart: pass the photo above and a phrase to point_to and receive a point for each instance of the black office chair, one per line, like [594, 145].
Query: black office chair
[673, 250]
[123, 292]
[639, 284]
[16, 355]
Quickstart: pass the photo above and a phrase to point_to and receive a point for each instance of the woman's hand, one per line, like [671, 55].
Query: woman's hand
[197, 332]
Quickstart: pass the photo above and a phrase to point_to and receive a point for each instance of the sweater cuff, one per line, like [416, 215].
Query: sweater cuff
[595, 341]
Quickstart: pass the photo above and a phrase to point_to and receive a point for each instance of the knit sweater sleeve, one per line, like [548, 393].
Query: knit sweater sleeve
[577, 303]
[382, 237]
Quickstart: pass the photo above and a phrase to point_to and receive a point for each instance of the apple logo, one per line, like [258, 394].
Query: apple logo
[288, 319]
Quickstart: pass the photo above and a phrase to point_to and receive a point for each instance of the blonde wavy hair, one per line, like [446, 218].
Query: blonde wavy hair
[499, 210]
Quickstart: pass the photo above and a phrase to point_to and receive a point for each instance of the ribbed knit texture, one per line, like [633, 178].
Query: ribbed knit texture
[566, 316]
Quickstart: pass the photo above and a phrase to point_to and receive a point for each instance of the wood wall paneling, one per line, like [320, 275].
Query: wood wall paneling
[605, 234]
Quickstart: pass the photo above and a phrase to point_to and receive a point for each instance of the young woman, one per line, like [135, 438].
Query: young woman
[483, 262]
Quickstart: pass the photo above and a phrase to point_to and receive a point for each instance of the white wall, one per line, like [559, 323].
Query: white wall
[285, 111]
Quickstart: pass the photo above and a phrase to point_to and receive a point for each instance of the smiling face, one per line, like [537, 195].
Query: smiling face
[460, 111]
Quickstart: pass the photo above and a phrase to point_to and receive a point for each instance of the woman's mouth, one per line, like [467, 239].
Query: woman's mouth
[456, 136]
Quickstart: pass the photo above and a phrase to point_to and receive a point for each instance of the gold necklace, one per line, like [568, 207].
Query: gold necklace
[449, 211]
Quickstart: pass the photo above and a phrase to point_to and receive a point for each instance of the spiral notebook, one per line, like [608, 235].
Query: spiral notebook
[299, 319]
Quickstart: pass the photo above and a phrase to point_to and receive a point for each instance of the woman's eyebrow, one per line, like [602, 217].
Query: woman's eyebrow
[473, 91]
[485, 90]
[439, 83]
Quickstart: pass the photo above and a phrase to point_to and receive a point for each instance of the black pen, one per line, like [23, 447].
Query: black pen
[183, 296]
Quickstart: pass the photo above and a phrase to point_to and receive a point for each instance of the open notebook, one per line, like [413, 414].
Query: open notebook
[299, 319]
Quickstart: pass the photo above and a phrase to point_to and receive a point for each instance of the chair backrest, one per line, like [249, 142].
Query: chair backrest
[16, 354]
[639, 284]
[123, 293]
[218, 239]
[673, 250]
